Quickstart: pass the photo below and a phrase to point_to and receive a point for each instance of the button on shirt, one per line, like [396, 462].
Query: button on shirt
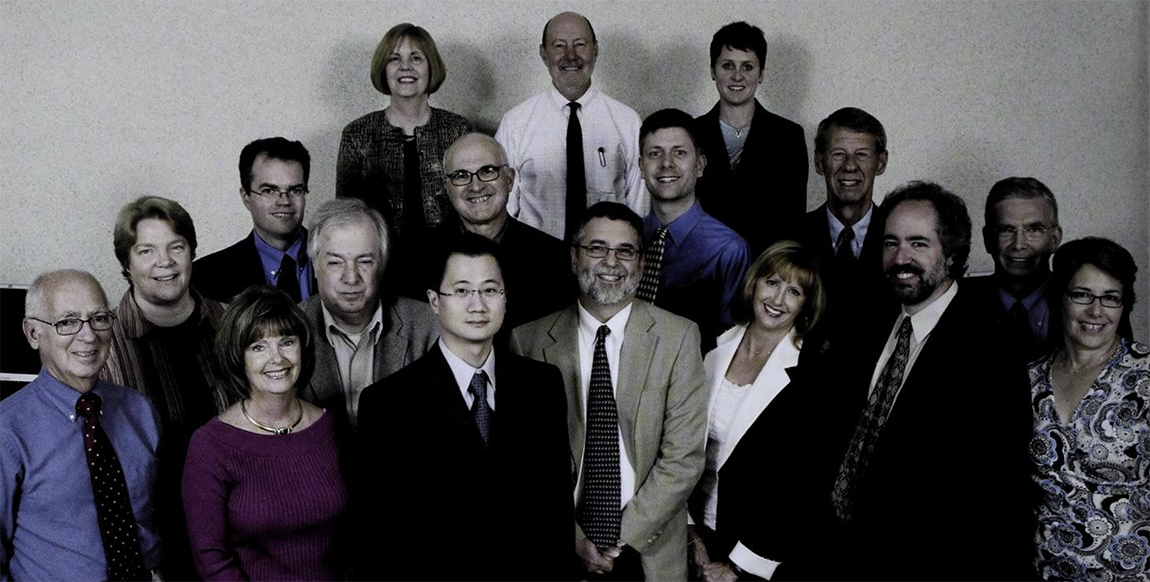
[48, 527]
[271, 258]
[613, 344]
[463, 372]
[921, 324]
[861, 227]
[534, 134]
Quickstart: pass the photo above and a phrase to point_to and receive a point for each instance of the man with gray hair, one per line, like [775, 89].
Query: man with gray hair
[364, 336]
[78, 454]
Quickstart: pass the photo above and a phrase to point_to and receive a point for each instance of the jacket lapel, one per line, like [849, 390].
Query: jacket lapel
[772, 379]
[634, 363]
[564, 354]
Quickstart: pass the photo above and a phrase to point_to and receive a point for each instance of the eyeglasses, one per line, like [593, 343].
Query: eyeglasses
[1084, 298]
[73, 325]
[273, 192]
[596, 251]
[1032, 232]
[463, 293]
[487, 173]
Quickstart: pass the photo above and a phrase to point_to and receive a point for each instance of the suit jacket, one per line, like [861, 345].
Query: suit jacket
[440, 505]
[409, 330]
[947, 493]
[224, 274]
[662, 405]
[766, 195]
[1025, 346]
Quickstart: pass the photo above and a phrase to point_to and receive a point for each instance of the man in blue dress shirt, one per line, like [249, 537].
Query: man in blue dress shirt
[702, 261]
[49, 528]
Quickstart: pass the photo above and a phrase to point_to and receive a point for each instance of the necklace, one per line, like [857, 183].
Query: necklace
[281, 430]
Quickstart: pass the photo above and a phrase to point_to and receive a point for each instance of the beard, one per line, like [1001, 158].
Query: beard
[603, 292]
[915, 290]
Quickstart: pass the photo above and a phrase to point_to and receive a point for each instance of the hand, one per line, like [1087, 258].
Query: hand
[697, 551]
[719, 572]
[594, 561]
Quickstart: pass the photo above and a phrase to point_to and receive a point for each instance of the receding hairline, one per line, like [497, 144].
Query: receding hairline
[586, 21]
[36, 301]
[467, 140]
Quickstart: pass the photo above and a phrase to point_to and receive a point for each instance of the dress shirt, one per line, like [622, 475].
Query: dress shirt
[272, 257]
[861, 227]
[534, 133]
[703, 266]
[613, 344]
[344, 344]
[1037, 310]
[463, 373]
[48, 527]
[921, 324]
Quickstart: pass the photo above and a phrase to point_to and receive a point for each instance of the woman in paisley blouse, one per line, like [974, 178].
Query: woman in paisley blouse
[1091, 400]
[391, 158]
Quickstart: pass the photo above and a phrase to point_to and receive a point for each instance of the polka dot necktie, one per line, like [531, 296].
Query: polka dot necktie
[113, 506]
[479, 408]
[652, 266]
[599, 513]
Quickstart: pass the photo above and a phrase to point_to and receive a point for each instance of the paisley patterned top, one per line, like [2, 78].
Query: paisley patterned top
[1094, 516]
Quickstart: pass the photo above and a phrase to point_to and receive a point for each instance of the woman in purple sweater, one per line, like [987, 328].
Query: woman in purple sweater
[262, 487]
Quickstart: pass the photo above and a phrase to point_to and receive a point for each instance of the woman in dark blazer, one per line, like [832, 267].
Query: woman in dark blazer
[756, 175]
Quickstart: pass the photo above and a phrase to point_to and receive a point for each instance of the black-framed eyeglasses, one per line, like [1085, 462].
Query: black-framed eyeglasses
[463, 293]
[1084, 298]
[73, 325]
[273, 192]
[1032, 232]
[597, 251]
[488, 173]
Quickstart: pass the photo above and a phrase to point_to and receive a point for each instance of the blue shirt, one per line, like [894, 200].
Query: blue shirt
[703, 265]
[272, 257]
[48, 528]
[1037, 310]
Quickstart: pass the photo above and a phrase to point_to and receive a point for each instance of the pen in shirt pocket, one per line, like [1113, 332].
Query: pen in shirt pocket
[602, 157]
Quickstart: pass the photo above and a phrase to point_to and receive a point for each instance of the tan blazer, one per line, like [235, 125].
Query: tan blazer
[662, 404]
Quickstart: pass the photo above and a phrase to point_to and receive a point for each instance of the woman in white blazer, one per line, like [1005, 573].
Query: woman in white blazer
[758, 444]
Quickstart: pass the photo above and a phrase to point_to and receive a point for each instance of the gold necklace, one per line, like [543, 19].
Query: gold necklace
[274, 430]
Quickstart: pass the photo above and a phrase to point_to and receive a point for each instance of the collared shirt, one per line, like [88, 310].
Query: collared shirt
[48, 527]
[345, 342]
[534, 133]
[921, 324]
[861, 227]
[613, 345]
[463, 373]
[272, 257]
[702, 272]
[1037, 310]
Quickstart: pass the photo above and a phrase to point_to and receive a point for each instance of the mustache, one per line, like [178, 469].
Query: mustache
[899, 269]
[610, 271]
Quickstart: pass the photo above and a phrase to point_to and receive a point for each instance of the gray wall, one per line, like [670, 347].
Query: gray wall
[101, 102]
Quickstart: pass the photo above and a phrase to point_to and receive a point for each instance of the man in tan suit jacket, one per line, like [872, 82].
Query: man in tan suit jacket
[659, 394]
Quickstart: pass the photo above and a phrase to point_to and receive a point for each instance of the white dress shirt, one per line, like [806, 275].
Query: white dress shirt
[534, 133]
[921, 324]
[463, 373]
[861, 227]
[613, 344]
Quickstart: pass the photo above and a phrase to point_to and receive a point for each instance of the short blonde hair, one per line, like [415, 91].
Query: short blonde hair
[422, 40]
[789, 260]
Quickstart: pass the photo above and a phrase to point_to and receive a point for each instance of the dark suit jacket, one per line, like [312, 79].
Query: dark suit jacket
[766, 195]
[1026, 347]
[224, 274]
[433, 503]
[409, 330]
[948, 492]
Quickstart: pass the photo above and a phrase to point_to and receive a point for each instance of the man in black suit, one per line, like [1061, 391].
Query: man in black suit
[1021, 234]
[478, 182]
[474, 478]
[935, 483]
[273, 188]
[846, 231]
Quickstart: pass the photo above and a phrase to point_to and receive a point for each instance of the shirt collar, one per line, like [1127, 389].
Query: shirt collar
[861, 227]
[272, 257]
[330, 326]
[561, 102]
[617, 324]
[64, 397]
[463, 371]
[1028, 302]
[924, 322]
[679, 228]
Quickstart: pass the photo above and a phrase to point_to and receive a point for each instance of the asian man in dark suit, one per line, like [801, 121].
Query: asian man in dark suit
[636, 405]
[470, 471]
[273, 188]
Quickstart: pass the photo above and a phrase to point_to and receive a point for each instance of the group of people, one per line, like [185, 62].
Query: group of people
[629, 326]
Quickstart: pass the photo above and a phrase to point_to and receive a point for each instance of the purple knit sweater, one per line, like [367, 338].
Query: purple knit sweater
[265, 507]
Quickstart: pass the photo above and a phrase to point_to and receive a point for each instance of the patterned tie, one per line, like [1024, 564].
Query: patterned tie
[113, 506]
[652, 266]
[576, 172]
[479, 408]
[288, 279]
[870, 425]
[599, 511]
[844, 254]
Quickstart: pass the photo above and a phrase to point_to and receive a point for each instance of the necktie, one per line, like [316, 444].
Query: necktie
[113, 506]
[844, 254]
[479, 408]
[652, 266]
[1027, 343]
[599, 512]
[870, 425]
[576, 172]
[287, 279]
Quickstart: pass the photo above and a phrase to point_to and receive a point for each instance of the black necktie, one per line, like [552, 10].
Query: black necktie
[652, 266]
[288, 279]
[576, 173]
[600, 512]
[113, 506]
[844, 254]
[479, 408]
